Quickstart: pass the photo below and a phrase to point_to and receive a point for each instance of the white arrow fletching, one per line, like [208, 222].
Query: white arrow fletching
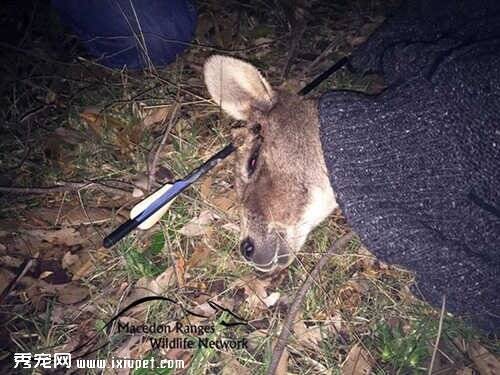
[142, 205]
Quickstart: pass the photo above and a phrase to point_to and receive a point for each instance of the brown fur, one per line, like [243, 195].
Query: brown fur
[288, 192]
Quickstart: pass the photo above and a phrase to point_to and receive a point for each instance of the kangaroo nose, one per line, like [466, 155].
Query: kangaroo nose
[247, 248]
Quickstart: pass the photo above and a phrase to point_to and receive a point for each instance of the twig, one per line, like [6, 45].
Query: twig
[154, 162]
[434, 352]
[33, 112]
[59, 211]
[84, 209]
[61, 187]
[294, 309]
[321, 368]
[131, 99]
[23, 268]
[180, 88]
[329, 49]
[296, 19]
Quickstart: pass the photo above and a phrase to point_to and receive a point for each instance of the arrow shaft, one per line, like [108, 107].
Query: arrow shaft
[177, 188]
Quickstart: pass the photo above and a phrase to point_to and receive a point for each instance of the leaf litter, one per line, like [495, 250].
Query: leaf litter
[112, 138]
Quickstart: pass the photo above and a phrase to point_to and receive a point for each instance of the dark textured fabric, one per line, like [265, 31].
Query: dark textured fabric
[416, 169]
[110, 29]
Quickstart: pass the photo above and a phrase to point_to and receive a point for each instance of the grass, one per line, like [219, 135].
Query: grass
[356, 300]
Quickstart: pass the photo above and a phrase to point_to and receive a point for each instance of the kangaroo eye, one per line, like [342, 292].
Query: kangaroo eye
[252, 162]
[256, 129]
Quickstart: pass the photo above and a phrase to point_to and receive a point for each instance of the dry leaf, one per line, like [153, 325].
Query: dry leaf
[359, 283]
[155, 115]
[94, 116]
[69, 259]
[223, 203]
[72, 294]
[252, 285]
[65, 236]
[141, 183]
[73, 217]
[357, 362]
[180, 270]
[71, 136]
[271, 299]
[137, 193]
[82, 269]
[91, 215]
[255, 338]
[231, 227]
[126, 348]
[146, 287]
[308, 336]
[94, 120]
[85, 263]
[200, 256]
[486, 363]
[5, 278]
[85, 331]
[255, 289]
[465, 371]
[335, 323]
[355, 40]
[163, 174]
[204, 309]
[140, 350]
[366, 258]
[69, 294]
[350, 297]
[35, 295]
[135, 347]
[162, 282]
[141, 289]
[262, 40]
[126, 135]
[45, 274]
[282, 368]
[205, 188]
[208, 311]
[130, 320]
[232, 366]
[199, 225]
[7, 260]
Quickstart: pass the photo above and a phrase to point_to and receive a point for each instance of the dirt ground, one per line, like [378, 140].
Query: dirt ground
[81, 144]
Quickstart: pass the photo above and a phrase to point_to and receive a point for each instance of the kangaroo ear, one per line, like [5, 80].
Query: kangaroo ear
[237, 87]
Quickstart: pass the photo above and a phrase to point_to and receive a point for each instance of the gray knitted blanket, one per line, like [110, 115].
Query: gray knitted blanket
[416, 169]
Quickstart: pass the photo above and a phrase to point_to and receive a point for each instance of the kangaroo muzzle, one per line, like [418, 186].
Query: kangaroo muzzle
[267, 254]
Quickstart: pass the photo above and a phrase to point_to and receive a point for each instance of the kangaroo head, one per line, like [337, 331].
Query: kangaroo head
[281, 178]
